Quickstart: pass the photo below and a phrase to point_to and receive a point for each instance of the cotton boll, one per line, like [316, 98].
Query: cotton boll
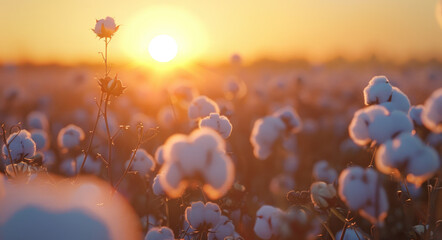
[183, 92]
[397, 102]
[234, 88]
[156, 187]
[221, 124]
[378, 90]
[218, 176]
[361, 190]
[200, 216]
[267, 222]
[385, 128]
[415, 114]
[290, 118]
[171, 179]
[350, 234]
[323, 195]
[159, 155]
[91, 165]
[41, 139]
[105, 28]
[143, 162]
[322, 171]
[37, 120]
[432, 112]
[362, 119]
[20, 145]
[266, 131]
[224, 228]
[163, 233]
[409, 157]
[70, 136]
[201, 107]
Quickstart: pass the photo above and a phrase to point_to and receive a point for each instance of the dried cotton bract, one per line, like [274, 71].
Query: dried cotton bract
[201, 107]
[362, 191]
[432, 112]
[375, 123]
[409, 157]
[323, 195]
[20, 145]
[380, 91]
[221, 124]
[70, 136]
[163, 233]
[199, 156]
[105, 28]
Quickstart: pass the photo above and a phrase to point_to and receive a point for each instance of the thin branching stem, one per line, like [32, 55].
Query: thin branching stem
[109, 140]
[7, 148]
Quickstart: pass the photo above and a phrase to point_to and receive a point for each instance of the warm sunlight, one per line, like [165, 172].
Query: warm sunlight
[163, 48]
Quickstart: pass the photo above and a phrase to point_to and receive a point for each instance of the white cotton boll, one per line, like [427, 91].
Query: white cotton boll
[37, 120]
[159, 155]
[266, 131]
[143, 162]
[291, 164]
[70, 136]
[200, 216]
[408, 155]
[362, 119]
[221, 124]
[218, 176]
[384, 128]
[432, 113]
[41, 139]
[267, 223]
[378, 90]
[201, 107]
[322, 171]
[224, 228]
[323, 195]
[290, 118]
[397, 102]
[415, 114]
[171, 180]
[105, 28]
[163, 233]
[92, 166]
[361, 190]
[20, 145]
[350, 234]
[183, 92]
[156, 186]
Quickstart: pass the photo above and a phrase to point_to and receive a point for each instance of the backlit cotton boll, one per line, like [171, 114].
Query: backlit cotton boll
[202, 216]
[323, 195]
[105, 28]
[380, 91]
[163, 233]
[201, 107]
[200, 156]
[221, 124]
[290, 118]
[266, 131]
[322, 171]
[375, 123]
[267, 224]
[409, 157]
[20, 145]
[362, 190]
[143, 162]
[415, 114]
[224, 228]
[432, 112]
[41, 139]
[159, 157]
[70, 136]
[37, 120]
[156, 186]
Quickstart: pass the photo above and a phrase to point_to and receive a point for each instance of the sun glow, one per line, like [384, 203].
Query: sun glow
[163, 48]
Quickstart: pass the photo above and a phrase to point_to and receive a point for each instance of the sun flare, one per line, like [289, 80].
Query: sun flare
[163, 48]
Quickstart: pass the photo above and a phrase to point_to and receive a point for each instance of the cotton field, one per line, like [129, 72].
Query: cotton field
[296, 150]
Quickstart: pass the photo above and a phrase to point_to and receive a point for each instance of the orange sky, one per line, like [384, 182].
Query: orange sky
[48, 31]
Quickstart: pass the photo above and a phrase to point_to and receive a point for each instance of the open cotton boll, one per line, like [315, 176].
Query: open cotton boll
[323, 195]
[183, 92]
[201, 107]
[37, 120]
[224, 228]
[267, 222]
[20, 145]
[159, 158]
[290, 118]
[201, 157]
[156, 186]
[202, 217]
[415, 114]
[143, 162]
[40, 138]
[322, 171]
[378, 90]
[397, 102]
[350, 234]
[221, 124]
[266, 131]
[432, 112]
[362, 191]
[70, 136]
[105, 28]
[384, 128]
[362, 119]
[163, 233]
[409, 157]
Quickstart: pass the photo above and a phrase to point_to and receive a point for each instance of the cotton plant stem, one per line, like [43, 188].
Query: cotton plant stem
[330, 232]
[7, 148]
[109, 140]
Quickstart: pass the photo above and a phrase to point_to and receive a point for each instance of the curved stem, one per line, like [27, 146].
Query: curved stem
[109, 140]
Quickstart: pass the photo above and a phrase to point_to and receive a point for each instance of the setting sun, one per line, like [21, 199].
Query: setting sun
[163, 48]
